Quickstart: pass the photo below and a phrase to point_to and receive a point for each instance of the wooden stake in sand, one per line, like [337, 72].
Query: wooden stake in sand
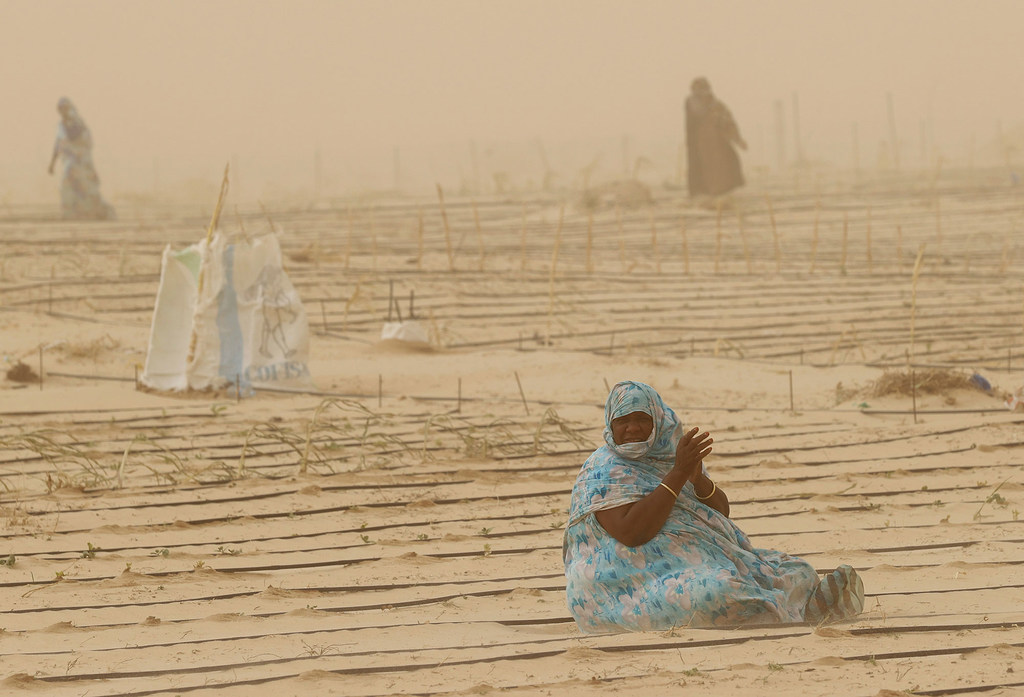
[913, 299]
[590, 241]
[899, 247]
[554, 267]
[743, 239]
[419, 242]
[867, 236]
[791, 408]
[842, 253]
[913, 392]
[775, 236]
[458, 402]
[209, 238]
[373, 235]
[522, 394]
[814, 238]
[348, 241]
[323, 316]
[893, 137]
[380, 390]
[522, 243]
[686, 247]
[447, 231]
[718, 234]
[479, 235]
[622, 239]
[654, 244]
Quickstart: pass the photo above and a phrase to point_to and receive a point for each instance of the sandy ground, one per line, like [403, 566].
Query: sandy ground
[398, 530]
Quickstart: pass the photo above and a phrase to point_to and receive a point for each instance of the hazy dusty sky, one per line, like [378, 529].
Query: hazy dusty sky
[172, 89]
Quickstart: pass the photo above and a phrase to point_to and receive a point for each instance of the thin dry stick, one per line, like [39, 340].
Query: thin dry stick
[775, 236]
[857, 342]
[241, 228]
[654, 244]
[590, 242]
[447, 230]
[835, 347]
[124, 461]
[913, 300]
[899, 248]
[522, 394]
[718, 236]
[622, 240]
[209, 238]
[686, 247]
[743, 239]
[842, 255]
[373, 235]
[814, 238]
[419, 242]
[791, 408]
[992, 497]
[348, 241]
[522, 243]
[479, 235]
[913, 392]
[867, 235]
[554, 266]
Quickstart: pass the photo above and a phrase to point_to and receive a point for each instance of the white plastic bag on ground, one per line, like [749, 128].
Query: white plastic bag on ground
[245, 324]
[409, 330]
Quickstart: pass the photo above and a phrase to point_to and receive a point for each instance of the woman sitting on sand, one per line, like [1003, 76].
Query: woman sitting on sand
[649, 544]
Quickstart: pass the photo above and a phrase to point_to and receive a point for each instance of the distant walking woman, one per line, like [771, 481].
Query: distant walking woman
[80, 185]
[713, 165]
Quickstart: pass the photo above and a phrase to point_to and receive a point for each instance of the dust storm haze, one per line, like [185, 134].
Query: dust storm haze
[309, 98]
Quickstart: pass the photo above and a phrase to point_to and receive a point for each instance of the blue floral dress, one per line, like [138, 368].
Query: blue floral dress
[80, 185]
[700, 570]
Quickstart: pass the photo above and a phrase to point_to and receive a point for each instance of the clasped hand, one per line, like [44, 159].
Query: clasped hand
[691, 450]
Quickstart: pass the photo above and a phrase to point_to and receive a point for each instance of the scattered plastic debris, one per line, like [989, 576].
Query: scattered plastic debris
[981, 383]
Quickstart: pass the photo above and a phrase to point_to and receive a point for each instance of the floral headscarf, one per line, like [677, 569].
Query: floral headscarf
[615, 475]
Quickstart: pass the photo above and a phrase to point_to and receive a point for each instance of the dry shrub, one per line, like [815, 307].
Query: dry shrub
[90, 349]
[928, 380]
[21, 372]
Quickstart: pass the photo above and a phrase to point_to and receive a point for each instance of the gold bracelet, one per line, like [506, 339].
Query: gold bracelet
[669, 489]
[714, 488]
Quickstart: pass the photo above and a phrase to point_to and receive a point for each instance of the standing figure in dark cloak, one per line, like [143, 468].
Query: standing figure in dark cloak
[713, 164]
